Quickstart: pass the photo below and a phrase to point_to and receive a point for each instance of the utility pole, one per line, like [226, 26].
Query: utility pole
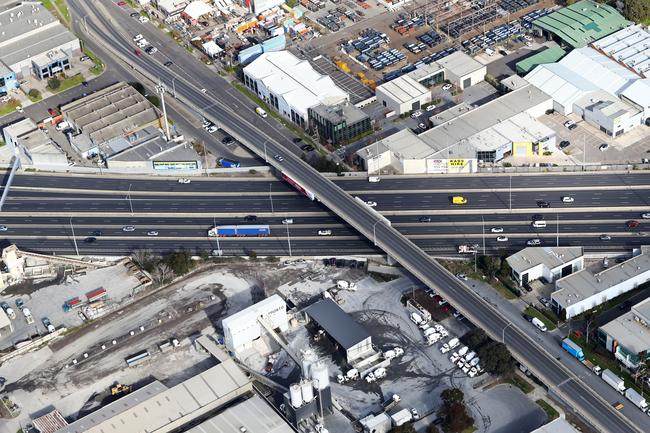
[219, 252]
[483, 232]
[74, 238]
[271, 197]
[160, 89]
[289, 240]
[128, 197]
[557, 230]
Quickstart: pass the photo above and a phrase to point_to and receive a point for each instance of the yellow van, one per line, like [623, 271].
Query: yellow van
[458, 199]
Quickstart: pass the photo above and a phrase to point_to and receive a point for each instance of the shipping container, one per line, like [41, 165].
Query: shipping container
[137, 358]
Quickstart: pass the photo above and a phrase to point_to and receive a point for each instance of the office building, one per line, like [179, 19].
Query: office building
[339, 124]
[32, 145]
[628, 336]
[546, 263]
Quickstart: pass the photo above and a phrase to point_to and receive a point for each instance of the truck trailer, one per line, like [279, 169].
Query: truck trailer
[614, 381]
[240, 231]
[637, 399]
[573, 349]
[228, 163]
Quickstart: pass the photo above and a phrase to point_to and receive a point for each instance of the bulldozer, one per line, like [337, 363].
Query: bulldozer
[119, 389]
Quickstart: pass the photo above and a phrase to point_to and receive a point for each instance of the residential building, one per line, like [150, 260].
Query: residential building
[546, 263]
[463, 136]
[581, 23]
[403, 95]
[290, 85]
[34, 43]
[8, 80]
[354, 339]
[339, 124]
[628, 336]
[584, 290]
[32, 145]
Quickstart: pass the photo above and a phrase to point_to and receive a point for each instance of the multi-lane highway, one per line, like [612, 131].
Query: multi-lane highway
[223, 104]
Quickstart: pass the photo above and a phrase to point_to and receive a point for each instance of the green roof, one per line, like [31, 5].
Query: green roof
[550, 55]
[582, 23]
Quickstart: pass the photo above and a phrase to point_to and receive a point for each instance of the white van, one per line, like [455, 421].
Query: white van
[489, 51]
[373, 179]
[539, 324]
[539, 224]
[260, 111]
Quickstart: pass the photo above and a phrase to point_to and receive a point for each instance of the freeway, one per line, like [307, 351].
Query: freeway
[232, 115]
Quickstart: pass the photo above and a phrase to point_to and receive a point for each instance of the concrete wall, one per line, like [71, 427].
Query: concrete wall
[359, 349]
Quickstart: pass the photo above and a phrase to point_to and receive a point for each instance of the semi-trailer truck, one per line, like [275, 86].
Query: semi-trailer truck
[240, 231]
[573, 349]
[637, 399]
[613, 380]
[228, 163]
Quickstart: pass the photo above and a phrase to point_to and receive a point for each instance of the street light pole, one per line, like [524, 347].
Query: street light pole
[265, 157]
[557, 230]
[219, 252]
[510, 192]
[483, 232]
[128, 197]
[74, 238]
[271, 197]
[289, 240]
[503, 333]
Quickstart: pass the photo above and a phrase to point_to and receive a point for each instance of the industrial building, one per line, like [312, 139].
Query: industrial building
[602, 83]
[551, 54]
[243, 328]
[462, 70]
[558, 425]
[194, 11]
[380, 423]
[158, 408]
[581, 23]
[547, 263]
[338, 124]
[123, 128]
[355, 341]
[33, 43]
[32, 145]
[464, 136]
[171, 9]
[584, 290]
[403, 95]
[6, 327]
[628, 336]
[291, 85]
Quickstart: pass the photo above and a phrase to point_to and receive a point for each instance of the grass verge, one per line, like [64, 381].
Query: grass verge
[69, 83]
[98, 66]
[551, 413]
[520, 383]
[8, 107]
[534, 312]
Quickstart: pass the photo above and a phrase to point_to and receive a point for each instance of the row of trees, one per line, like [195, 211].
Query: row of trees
[495, 356]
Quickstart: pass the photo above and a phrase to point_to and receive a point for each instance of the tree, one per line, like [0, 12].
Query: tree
[457, 419]
[406, 428]
[637, 10]
[490, 265]
[144, 258]
[53, 83]
[154, 99]
[162, 273]
[452, 395]
[475, 338]
[180, 262]
[432, 429]
[291, 3]
[496, 358]
[34, 94]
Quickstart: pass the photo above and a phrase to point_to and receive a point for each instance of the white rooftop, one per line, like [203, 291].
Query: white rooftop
[460, 64]
[403, 89]
[629, 46]
[629, 331]
[551, 257]
[197, 9]
[559, 425]
[295, 80]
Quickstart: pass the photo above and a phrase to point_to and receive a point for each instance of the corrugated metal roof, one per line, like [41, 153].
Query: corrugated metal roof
[404, 89]
[550, 55]
[337, 323]
[551, 257]
[629, 46]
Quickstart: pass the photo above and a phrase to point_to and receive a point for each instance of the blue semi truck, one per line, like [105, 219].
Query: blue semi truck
[240, 231]
[573, 349]
[228, 163]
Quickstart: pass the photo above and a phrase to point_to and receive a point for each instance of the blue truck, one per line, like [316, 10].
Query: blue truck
[240, 231]
[573, 349]
[228, 163]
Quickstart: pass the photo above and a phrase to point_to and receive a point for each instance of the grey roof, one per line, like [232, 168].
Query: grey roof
[17, 19]
[35, 45]
[338, 113]
[403, 89]
[337, 323]
[628, 46]
[254, 414]
[642, 311]
[632, 335]
[148, 145]
[560, 425]
[155, 406]
[583, 284]
[115, 111]
[551, 257]
[460, 64]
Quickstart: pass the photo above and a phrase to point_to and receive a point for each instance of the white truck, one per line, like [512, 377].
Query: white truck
[10, 313]
[352, 374]
[391, 402]
[467, 249]
[401, 417]
[416, 318]
[28, 315]
[613, 380]
[451, 344]
[637, 399]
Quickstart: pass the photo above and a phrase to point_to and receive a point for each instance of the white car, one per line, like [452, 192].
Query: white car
[137, 37]
[152, 233]
[19, 109]
[414, 413]
[496, 229]
[143, 19]
[430, 107]
[324, 232]
[184, 180]
[4, 228]
[645, 216]
[128, 229]
[142, 43]
[416, 114]
[371, 203]
[570, 124]
[212, 129]
[454, 357]
[502, 238]
[447, 87]
[287, 221]
[567, 199]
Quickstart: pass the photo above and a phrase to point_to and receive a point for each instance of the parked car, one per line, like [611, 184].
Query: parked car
[227, 140]
[461, 277]
[134, 15]
[570, 124]
[416, 114]
[603, 147]
[430, 107]
[564, 144]
[137, 52]
[137, 37]
[447, 87]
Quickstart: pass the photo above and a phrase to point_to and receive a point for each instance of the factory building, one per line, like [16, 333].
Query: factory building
[290, 85]
[584, 290]
[462, 70]
[33, 43]
[194, 11]
[581, 23]
[628, 336]
[547, 263]
[243, 328]
[464, 136]
[403, 95]
[32, 145]
[559, 425]
[349, 335]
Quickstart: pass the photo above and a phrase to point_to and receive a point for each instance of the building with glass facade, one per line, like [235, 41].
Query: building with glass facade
[339, 124]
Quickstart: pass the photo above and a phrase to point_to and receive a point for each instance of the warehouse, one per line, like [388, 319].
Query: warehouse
[243, 328]
[403, 95]
[628, 336]
[32, 145]
[581, 23]
[34, 42]
[547, 263]
[291, 85]
[353, 338]
[464, 136]
[584, 290]
[558, 425]
[462, 70]
[628, 47]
